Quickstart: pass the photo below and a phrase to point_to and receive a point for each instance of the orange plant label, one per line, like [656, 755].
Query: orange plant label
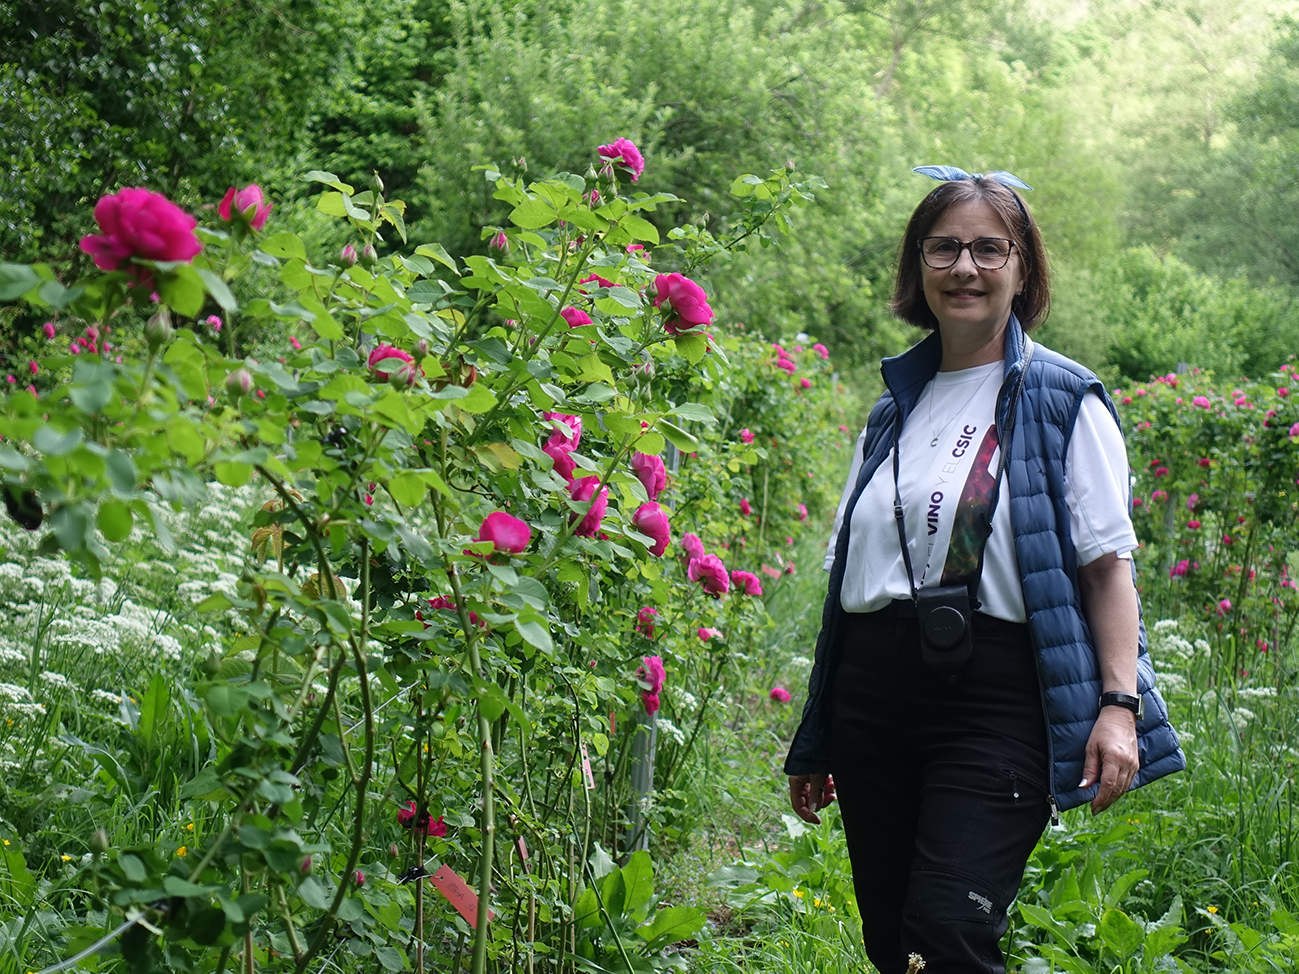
[459, 895]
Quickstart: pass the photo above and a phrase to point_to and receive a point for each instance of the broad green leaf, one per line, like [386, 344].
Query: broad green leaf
[678, 437]
[219, 290]
[202, 785]
[693, 347]
[182, 290]
[640, 228]
[328, 178]
[52, 443]
[284, 244]
[672, 924]
[438, 253]
[331, 204]
[407, 489]
[115, 520]
[696, 411]
[226, 700]
[532, 214]
[638, 878]
[479, 399]
[16, 280]
[1121, 933]
[535, 634]
[233, 474]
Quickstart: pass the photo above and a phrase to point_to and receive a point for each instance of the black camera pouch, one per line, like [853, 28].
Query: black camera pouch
[946, 640]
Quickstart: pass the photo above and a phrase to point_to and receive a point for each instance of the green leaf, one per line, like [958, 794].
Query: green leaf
[678, 437]
[176, 886]
[90, 399]
[202, 785]
[407, 489]
[535, 634]
[478, 400]
[640, 228]
[182, 290]
[121, 471]
[438, 253]
[696, 411]
[1164, 934]
[673, 924]
[233, 474]
[1121, 933]
[284, 244]
[226, 700]
[16, 280]
[217, 602]
[115, 520]
[328, 178]
[219, 290]
[55, 444]
[331, 204]
[533, 214]
[693, 347]
[133, 867]
[313, 894]
[638, 878]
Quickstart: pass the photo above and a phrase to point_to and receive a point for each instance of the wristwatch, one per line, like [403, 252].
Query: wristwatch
[1131, 701]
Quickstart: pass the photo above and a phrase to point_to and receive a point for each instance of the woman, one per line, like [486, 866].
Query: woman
[991, 669]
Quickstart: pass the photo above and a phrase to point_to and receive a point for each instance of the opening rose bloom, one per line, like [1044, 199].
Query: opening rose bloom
[645, 621]
[575, 317]
[750, 582]
[651, 472]
[706, 633]
[686, 301]
[780, 695]
[582, 490]
[247, 203]
[692, 546]
[821, 351]
[745, 507]
[382, 353]
[624, 153]
[140, 223]
[564, 464]
[565, 439]
[746, 436]
[506, 532]
[711, 572]
[651, 520]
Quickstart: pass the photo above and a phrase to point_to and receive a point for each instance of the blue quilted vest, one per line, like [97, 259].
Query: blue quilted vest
[1066, 661]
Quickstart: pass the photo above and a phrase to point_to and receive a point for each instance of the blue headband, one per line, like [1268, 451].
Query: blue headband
[951, 174]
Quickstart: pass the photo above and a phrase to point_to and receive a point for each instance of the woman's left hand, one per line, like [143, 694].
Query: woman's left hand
[1111, 756]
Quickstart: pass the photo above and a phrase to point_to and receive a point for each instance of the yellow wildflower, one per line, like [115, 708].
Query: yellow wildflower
[1212, 909]
[799, 893]
[189, 827]
[182, 850]
[67, 858]
[6, 841]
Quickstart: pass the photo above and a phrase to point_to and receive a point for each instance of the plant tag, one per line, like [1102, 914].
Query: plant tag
[523, 849]
[586, 770]
[613, 725]
[459, 895]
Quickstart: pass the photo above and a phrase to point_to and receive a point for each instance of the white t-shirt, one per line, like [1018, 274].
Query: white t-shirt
[945, 487]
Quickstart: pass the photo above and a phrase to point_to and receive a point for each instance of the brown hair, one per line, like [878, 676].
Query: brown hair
[1030, 306]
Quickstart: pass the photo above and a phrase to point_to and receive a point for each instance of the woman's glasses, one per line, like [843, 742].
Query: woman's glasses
[989, 253]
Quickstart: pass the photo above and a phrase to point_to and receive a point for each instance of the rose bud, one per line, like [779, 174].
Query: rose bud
[369, 256]
[158, 330]
[499, 246]
[376, 183]
[348, 255]
[422, 350]
[239, 382]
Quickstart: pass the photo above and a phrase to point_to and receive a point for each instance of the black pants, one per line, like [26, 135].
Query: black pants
[942, 789]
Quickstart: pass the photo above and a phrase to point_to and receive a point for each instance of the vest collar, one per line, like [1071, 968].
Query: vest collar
[906, 375]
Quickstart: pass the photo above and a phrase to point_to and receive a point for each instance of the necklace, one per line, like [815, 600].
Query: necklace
[938, 433]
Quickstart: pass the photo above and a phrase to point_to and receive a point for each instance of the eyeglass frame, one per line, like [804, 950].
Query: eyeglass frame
[962, 245]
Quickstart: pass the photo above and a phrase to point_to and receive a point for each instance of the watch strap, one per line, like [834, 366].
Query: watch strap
[1129, 701]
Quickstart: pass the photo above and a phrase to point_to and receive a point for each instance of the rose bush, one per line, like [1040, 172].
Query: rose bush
[447, 583]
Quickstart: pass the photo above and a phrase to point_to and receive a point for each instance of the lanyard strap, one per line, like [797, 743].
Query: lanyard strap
[1007, 433]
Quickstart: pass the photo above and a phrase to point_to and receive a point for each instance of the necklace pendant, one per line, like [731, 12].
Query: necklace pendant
[933, 442]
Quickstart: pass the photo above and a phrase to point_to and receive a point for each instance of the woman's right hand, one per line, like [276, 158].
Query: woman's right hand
[809, 793]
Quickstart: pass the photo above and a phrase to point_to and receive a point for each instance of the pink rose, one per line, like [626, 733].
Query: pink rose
[651, 472]
[595, 279]
[645, 621]
[33, 368]
[564, 464]
[692, 546]
[382, 353]
[582, 490]
[805, 383]
[499, 245]
[507, 533]
[1179, 569]
[745, 508]
[624, 153]
[651, 520]
[1159, 495]
[709, 571]
[140, 223]
[706, 633]
[650, 701]
[651, 674]
[821, 350]
[802, 512]
[1224, 607]
[686, 301]
[746, 436]
[1294, 430]
[567, 434]
[635, 250]
[1161, 471]
[49, 330]
[575, 317]
[1193, 524]
[751, 583]
[780, 695]
[241, 201]
[1283, 392]
[1192, 501]
[787, 365]
[1136, 502]
[1201, 402]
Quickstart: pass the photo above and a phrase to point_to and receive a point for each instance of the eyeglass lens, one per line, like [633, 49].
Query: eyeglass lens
[989, 253]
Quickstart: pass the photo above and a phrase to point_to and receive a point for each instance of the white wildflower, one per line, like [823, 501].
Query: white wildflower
[1172, 682]
[668, 729]
[1257, 693]
[1242, 715]
[58, 680]
[1166, 625]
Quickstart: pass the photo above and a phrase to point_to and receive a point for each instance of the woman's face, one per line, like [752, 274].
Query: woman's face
[972, 304]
